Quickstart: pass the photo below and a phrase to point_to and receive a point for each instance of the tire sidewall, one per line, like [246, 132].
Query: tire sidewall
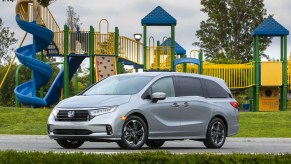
[208, 135]
[124, 142]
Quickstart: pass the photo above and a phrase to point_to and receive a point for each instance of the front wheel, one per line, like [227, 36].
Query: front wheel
[69, 144]
[216, 134]
[134, 133]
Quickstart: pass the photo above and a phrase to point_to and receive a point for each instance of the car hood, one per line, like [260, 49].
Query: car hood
[94, 101]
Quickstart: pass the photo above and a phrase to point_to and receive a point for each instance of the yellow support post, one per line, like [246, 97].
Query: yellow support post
[11, 63]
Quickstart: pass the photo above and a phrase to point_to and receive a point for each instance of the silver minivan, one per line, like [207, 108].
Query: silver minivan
[147, 108]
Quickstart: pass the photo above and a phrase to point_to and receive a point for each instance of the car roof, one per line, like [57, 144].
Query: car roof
[157, 74]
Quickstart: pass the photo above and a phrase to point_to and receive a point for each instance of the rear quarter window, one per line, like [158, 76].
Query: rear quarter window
[214, 90]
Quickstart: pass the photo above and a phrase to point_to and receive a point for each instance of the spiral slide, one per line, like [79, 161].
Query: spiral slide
[42, 72]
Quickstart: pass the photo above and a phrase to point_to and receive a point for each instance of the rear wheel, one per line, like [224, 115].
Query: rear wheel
[154, 143]
[134, 133]
[69, 144]
[216, 134]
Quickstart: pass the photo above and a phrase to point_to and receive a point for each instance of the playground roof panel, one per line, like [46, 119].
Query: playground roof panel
[158, 17]
[270, 27]
[178, 49]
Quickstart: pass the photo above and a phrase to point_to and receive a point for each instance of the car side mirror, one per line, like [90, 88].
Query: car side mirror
[158, 96]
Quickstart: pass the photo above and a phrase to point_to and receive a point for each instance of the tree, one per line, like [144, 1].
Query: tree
[6, 40]
[227, 33]
[73, 19]
[44, 3]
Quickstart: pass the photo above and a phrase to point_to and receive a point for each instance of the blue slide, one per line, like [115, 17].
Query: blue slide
[42, 72]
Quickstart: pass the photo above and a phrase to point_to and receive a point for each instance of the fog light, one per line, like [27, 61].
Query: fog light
[108, 129]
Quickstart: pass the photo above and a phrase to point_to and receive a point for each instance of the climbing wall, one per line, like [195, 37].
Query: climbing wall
[105, 67]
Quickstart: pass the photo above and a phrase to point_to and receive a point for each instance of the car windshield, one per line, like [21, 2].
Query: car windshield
[119, 85]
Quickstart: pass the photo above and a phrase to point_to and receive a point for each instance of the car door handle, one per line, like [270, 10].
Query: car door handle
[176, 105]
[186, 104]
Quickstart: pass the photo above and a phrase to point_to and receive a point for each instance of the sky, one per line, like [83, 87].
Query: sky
[127, 15]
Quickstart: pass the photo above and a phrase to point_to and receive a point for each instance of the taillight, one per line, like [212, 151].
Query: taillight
[234, 104]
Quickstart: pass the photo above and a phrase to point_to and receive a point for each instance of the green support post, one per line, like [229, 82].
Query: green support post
[17, 104]
[172, 46]
[144, 48]
[66, 61]
[285, 84]
[184, 64]
[91, 56]
[200, 56]
[116, 50]
[41, 89]
[257, 73]
[158, 54]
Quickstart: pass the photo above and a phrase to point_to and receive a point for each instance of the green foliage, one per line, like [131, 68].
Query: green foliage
[143, 157]
[226, 34]
[6, 40]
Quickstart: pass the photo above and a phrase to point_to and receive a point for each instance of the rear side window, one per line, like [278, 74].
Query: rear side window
[215, 90]
[188, 86]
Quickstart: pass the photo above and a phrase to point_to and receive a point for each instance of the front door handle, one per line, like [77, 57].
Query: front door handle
[186, 104]
[176, 105]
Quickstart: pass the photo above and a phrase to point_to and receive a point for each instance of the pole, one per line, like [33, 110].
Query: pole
[144, 48]
[158, 55]
[184, 64]
[200, 56]
[257, 73]
[41, 89]
[172, 47]
[66, 62]
[285, 84]
[116, 50]
[17, 104]
[91, 55]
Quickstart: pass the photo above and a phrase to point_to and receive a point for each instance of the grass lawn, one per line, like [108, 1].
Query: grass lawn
[33, 121]
[23, 120]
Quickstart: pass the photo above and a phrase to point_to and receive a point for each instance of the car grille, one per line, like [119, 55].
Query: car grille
[72, 131]
[79, 115]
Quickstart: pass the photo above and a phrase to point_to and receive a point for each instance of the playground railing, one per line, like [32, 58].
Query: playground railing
[131, 50]
[235, 75]
[48, 19]
[159, 58]
[104, 44]
[59, 41]
[78, 42]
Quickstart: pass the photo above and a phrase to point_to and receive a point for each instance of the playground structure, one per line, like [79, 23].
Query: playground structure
[107, 50]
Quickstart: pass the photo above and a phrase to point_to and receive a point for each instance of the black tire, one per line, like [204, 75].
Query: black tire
[154, 143]
[134, 133]
[69, 144]
[216, 134]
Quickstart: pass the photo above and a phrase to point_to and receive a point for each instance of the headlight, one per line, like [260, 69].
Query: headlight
[55, 112]
[102, 110]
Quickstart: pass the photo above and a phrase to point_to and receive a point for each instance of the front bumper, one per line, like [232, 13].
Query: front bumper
[95, 130]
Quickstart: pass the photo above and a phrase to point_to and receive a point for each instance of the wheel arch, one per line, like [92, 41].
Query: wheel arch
[141, 116]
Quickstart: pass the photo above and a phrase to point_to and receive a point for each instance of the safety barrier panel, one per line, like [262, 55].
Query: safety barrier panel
[159, 58]
[104, 44]
[131, 50]
[78, 42]
[235, 75]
